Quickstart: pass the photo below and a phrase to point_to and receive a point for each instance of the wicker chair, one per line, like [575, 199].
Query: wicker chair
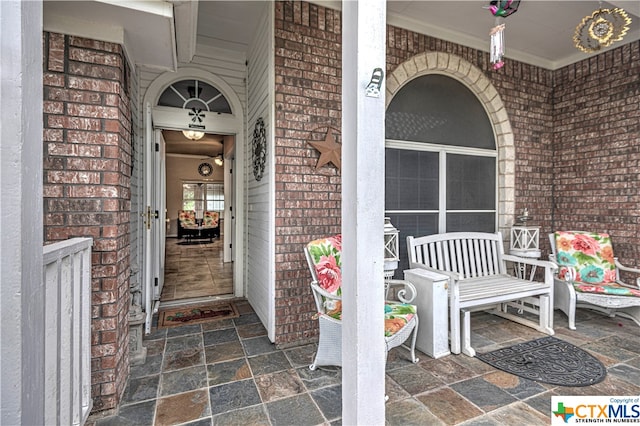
[589, 277]
[401, 319]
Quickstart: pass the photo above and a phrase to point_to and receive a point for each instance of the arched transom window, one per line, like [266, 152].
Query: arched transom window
[195, 95]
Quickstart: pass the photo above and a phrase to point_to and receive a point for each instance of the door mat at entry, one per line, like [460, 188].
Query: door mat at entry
[184, 315]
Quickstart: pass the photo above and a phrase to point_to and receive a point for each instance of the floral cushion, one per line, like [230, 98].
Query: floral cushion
[187, 218]
[325, 254]
[210, 219]
[396, 316]
[590, 255]
[611, 289]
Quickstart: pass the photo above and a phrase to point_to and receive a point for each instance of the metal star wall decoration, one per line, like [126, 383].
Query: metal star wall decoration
[330, 151]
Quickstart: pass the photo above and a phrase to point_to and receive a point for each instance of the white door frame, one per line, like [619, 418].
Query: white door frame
[227, 124]
[160, 203]
[149, 223]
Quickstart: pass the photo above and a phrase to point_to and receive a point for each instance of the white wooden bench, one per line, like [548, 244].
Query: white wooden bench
[476, 265]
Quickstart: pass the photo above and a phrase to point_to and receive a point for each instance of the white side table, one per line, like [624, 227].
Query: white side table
[432, 301]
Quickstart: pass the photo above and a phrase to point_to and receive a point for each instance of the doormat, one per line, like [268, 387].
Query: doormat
[173, 317]
[548, 360]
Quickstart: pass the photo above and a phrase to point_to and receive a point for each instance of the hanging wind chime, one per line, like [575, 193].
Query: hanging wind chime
[500, 9]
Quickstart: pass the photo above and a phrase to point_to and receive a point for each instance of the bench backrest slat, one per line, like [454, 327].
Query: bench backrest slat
[470, 254]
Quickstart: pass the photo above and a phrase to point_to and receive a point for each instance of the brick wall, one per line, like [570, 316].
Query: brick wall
[87, 151]
[308, 87]
[597, 148]
[576, 136]
[308, 102]
[526, 92]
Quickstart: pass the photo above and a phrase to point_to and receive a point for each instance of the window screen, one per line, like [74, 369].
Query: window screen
[438, 109]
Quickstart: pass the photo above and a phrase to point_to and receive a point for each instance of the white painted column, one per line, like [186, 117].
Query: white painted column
[22, 290]
[363, 351]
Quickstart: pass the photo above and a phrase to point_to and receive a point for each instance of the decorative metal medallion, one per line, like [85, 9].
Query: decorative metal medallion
[205, 169]
[259, 149]
[601, 29]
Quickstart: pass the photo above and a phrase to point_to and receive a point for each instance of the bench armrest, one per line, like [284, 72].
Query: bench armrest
[452, 275]
[529, 261]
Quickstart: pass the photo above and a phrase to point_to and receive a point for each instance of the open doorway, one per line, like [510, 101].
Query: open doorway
[190, 100]
[197, 180]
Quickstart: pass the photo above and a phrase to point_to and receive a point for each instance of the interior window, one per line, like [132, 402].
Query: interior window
[203, 196]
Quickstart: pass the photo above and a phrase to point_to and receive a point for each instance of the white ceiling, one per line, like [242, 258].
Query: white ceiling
[539, 33]
[159, 33]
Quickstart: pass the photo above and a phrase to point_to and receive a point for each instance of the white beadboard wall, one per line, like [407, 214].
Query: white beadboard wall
[260, 201]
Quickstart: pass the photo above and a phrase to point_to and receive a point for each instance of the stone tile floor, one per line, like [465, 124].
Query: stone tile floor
[227, 372]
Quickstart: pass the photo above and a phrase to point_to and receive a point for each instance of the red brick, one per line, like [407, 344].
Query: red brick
[95, 57]
[51, 79]
[72, 177]
[85, 160]
[50, 107]
[56, 50]
[93, 84]
[67, 122]
[60, 94]
[94, 111]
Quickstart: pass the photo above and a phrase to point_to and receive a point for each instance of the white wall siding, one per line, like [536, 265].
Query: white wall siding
[261, 194]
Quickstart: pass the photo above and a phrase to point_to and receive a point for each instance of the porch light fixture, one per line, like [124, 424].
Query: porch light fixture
[601, 29]
[218, 160]
[391, 248]
[193, 135]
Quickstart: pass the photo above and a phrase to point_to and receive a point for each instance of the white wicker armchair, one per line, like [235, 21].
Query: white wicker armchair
[401, 320]
[589, 277]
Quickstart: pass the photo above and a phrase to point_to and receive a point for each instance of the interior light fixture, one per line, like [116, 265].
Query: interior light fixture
[601, 29]
[194, 135]
[218, 160]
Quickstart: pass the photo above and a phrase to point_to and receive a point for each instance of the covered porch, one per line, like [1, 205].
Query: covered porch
[566, 148]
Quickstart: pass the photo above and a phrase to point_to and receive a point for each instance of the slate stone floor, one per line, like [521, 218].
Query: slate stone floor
[226, 372]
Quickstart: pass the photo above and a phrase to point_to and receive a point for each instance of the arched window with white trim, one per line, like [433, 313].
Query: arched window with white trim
[441, 160]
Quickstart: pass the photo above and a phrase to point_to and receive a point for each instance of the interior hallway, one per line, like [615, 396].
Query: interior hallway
[195, 269]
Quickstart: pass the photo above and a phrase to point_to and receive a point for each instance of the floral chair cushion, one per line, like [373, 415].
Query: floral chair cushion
[325, 254]
[587, 258]
[210, 219]
[396, 316]
[187, 219]
[611, 289]
[589, 254]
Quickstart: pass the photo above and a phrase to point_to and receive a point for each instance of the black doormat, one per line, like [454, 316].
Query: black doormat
[548, 360]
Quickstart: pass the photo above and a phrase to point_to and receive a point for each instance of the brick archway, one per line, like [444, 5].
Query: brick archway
[471, 76]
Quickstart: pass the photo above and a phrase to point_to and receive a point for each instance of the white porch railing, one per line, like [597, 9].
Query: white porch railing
[67, 351]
